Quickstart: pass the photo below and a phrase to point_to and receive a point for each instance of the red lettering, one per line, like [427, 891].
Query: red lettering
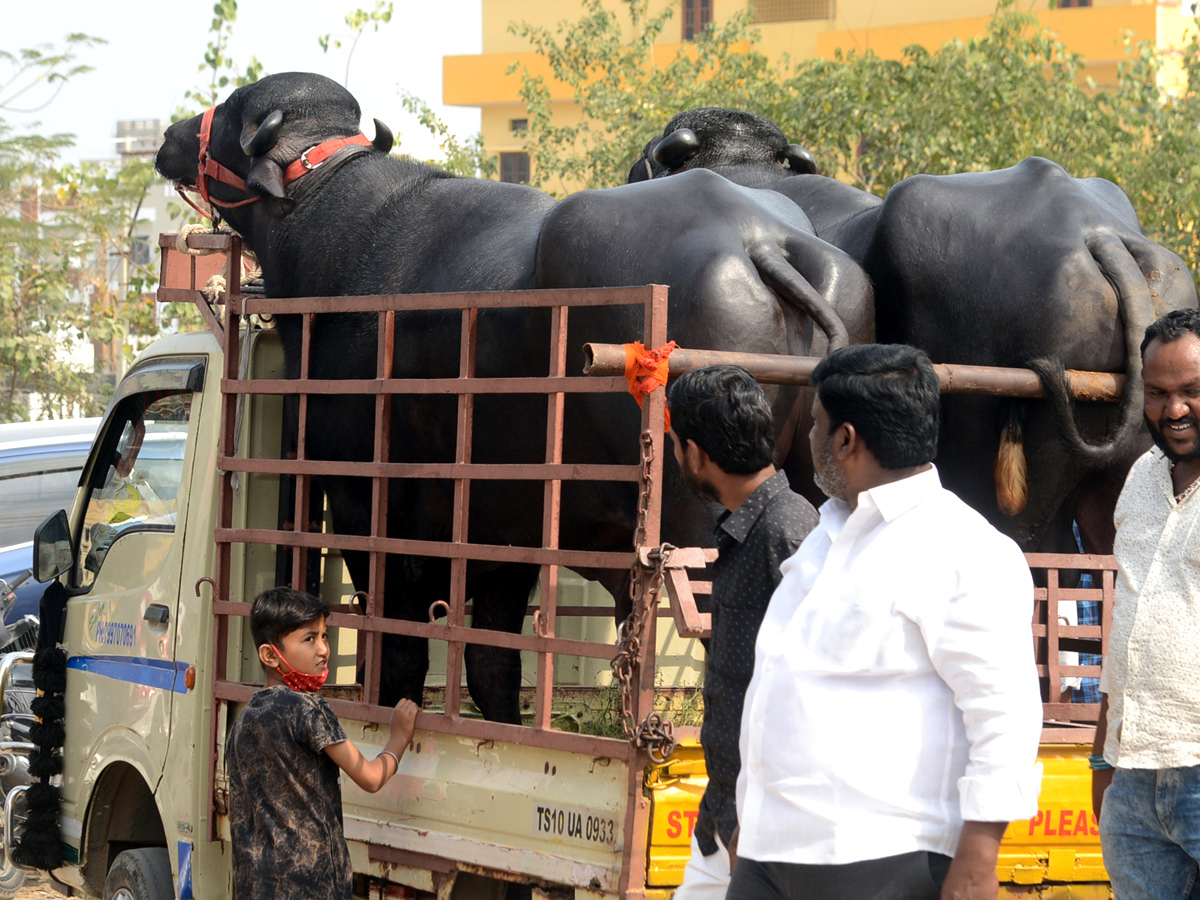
[674, 828]
[1095, 829]
[1050, 832]
[1081, 822]
[1035, 821]
[691, 815]
[1064, 821]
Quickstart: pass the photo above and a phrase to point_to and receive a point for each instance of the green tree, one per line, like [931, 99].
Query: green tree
[36, 74]
[65, 237]
[1157, 158]
[974, 105]
[624, 91]
[463, 156]
[69, 273]
[222, 71]
[966, 106]
[357, 21]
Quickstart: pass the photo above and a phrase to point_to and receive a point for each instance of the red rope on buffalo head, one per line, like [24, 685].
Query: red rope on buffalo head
[647, 370]
[208, 168]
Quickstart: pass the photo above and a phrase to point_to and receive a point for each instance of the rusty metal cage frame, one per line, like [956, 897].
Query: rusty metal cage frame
[1065, 722]
[223, 312]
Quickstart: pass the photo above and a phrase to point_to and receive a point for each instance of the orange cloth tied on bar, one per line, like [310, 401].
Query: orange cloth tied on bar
[646, 370]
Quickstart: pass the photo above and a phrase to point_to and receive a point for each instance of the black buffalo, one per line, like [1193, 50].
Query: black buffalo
[1025, 266]
[366, 223]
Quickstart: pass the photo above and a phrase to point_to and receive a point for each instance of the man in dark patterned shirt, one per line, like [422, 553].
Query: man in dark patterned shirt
[283, 757]
[723, 433]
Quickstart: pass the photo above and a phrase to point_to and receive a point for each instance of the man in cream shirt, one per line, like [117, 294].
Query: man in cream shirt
[1149, 727]
[891, 726]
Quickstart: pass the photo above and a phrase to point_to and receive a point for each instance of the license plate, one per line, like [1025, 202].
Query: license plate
[575, 824]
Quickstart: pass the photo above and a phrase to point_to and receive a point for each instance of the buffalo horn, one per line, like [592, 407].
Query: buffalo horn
[383, 139]
[676, 148]
[799, 160]
[257, 139]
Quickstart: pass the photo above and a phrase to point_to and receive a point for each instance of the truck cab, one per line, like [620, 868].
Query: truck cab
[130, 623]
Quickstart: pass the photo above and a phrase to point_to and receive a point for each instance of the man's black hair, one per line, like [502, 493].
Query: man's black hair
[889, 393]
[279, 611]
[1172, 327]
[723, 409]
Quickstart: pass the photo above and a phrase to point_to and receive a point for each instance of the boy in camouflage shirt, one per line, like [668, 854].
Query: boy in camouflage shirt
[284, 757]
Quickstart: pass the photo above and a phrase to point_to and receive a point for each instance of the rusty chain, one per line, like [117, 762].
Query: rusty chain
[655, 734]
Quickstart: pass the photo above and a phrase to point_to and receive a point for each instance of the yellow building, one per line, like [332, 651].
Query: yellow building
[798, 29]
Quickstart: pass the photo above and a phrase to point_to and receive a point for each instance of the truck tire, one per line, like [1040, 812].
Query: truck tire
[143, 874]
[11, 880]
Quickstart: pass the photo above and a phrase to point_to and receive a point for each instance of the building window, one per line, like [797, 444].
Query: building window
[515, 125]
[696, 14]
[514, 168]
[1073, 4]
[792, 10]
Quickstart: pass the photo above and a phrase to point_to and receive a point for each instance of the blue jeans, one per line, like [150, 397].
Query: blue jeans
[1150, 833]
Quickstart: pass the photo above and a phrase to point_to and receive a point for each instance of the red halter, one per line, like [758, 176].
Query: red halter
[315, 156]
[208, 168]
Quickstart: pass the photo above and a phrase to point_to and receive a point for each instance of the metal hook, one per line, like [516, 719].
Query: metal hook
[434, 605]
[362, 598]
[537, 623]
[211, 582]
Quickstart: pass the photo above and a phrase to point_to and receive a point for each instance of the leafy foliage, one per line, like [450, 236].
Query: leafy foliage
[465, 157]
[976, 105]
[222, 71]
[70, 268]
[357, 21]
[1157, 161]
[37, 74]
[968, 106]
[624, 93]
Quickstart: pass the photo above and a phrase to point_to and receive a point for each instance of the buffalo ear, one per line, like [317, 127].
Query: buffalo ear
[258, 139]
[266, 179]
[644, 169]
[799, 160]
[676, 148]
[383, 139]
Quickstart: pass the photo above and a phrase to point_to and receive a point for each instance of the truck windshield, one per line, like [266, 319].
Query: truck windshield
[138, 489]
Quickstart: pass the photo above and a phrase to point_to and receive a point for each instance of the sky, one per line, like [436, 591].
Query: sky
[154, 51]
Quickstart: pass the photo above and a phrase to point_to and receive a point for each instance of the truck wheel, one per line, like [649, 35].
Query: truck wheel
[143, 874]
[11, 879]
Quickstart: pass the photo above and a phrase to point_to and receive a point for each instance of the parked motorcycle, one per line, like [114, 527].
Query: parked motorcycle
[17, 642]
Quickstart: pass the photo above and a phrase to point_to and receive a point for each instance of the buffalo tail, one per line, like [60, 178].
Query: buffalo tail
[1012, 488]
[1137, 312]
[796, 290]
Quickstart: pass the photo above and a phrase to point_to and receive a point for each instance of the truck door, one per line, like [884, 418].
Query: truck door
[120, 630]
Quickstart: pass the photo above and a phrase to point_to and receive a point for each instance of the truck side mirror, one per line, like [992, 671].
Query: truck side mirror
[52, 550]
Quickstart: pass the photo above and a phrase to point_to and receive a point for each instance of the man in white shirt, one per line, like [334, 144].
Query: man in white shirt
[1149, 729]
[891, 726]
